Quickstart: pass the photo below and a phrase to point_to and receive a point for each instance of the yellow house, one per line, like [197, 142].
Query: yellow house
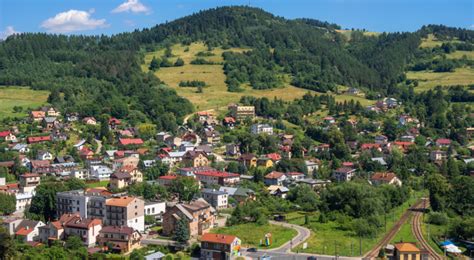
[249, 160]
[407, 251]
[265, 162]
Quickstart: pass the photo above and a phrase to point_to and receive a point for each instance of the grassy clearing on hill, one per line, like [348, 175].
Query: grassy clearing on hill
[460, 55]
[431, 41]
[215, 95]
[429, 79]
[11, 96]
[251, 234]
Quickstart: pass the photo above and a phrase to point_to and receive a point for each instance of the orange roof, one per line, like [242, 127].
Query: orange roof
[218, 238]
[119, 202]
[23, 231]
[57, 224]
[383, 176]
[274, 175]
[406, 247]
[38, 114]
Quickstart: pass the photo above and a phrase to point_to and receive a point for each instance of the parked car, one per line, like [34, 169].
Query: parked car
[252, 249]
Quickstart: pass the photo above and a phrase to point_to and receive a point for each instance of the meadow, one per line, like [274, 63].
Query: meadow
[11, 96]
[215, 95]
[429, 79]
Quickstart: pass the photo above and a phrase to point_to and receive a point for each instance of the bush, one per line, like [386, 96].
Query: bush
[192, 83]
[437, 218]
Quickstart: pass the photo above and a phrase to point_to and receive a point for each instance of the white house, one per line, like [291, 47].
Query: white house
[155, 208]
[100, 172]
[218, 199]
[261, 128]
[23, 200]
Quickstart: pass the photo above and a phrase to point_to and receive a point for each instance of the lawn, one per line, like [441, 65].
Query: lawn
[97, 184]
[429, 79]
[215, 95]
[325, 237]
[404, 234]
[251, 234]
[11, 96]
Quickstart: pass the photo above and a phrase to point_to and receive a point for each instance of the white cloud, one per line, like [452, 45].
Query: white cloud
[8, 31]
[73, 20]
[133, 6]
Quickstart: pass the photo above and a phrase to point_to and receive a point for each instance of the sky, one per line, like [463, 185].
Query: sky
[91, 17]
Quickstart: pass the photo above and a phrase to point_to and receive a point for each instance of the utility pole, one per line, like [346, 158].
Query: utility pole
[352, 248]
[360, 245]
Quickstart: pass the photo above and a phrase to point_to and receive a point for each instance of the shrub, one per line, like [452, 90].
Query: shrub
[437, 218]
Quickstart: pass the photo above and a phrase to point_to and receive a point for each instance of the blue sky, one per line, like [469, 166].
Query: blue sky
[114, 16]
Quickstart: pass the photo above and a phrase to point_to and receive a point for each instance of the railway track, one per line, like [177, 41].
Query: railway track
[416, 229]
[372, 254]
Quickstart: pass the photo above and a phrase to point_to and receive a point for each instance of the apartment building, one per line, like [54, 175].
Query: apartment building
[126, 211]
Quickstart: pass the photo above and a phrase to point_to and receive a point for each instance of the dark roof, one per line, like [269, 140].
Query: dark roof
[121, 175]
[117, 230]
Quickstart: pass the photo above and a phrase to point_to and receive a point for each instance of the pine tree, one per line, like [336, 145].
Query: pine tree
[182, 230]
[154, 64]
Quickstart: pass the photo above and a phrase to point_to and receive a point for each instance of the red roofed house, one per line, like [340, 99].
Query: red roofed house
[37, 116]
[275, 157]
[28, 230]
[54, 230]
[443, 142]
[86, 228]
[130, 141]
[217, 177]
[219, 246]
[8, 136]
[385, 178]
[402, 145]
[86, 153]
[344, 174]
[38, 139]
[274, 178]
[228, 122]
[369, 146]
[113, 123]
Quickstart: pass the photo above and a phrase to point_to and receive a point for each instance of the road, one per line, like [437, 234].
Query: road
[284, 251]
[372, 254]
[416, 229]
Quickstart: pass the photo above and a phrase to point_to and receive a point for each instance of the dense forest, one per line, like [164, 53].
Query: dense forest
[101, 74]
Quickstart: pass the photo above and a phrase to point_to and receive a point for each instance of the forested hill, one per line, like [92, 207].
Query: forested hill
[101, 74]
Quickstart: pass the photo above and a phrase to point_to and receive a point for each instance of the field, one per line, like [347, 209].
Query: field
[429, 79]
[215, 95]
[251, 234]
[20, 96]
[327, 236]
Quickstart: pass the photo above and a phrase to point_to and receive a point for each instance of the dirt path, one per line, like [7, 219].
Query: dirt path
[416, 229]
[372, 254]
